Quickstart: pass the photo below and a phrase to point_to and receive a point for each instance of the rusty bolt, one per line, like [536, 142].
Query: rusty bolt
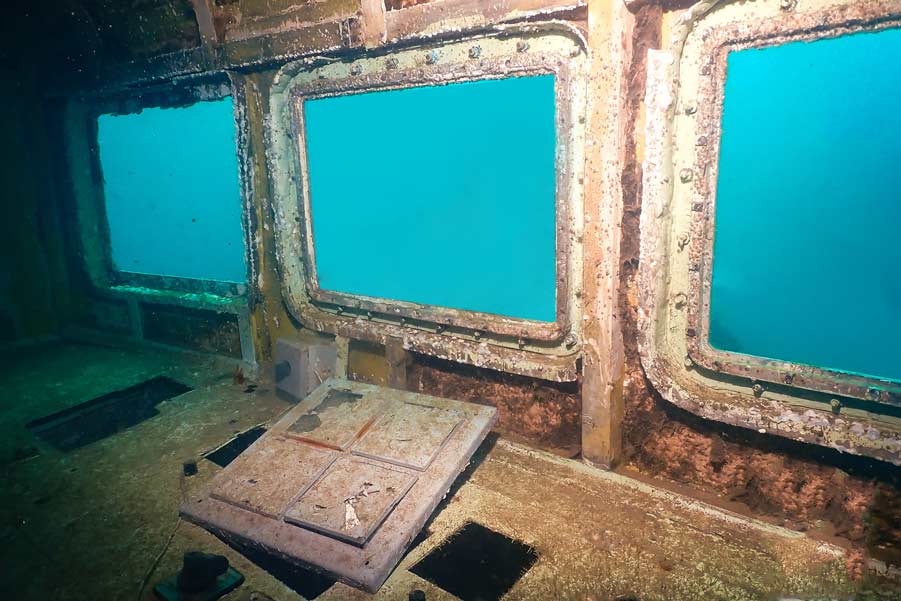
[391, 63]
[788, 4]
[431, 58]
[702, 141]
[680, 299]
[789, 378]
[475, 52]
[477, 335]
[757, 389]
[570, 340]
[836, 405]
[356, 69]
[687, 362]
[874, 394]
[522, 46]
[686, 175]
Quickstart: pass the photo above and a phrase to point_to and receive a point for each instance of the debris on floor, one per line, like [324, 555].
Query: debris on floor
[203, 577]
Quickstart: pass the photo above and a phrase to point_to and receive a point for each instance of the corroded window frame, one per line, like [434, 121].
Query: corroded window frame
[709, 111]
[87, 181]
[685, 99]
[549, 350]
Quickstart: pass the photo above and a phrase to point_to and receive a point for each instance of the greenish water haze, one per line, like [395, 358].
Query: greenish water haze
[172, 192]
[807, 254]
[439, 195]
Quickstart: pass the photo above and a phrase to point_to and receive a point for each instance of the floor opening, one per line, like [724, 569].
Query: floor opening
[228, 452]
[105, 415]
[476, 564]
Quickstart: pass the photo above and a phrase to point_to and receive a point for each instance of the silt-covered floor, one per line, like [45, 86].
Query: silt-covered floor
[94, 522]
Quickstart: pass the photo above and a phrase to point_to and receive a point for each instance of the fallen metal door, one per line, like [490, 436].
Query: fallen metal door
[345, 480]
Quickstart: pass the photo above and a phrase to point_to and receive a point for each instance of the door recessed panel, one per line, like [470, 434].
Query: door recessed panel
[351, 499]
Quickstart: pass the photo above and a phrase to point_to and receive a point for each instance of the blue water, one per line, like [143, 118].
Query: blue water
[438, 195]
[807, 255]
[172, 192]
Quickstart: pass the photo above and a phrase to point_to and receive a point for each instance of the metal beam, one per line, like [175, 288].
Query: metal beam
[203, 12]
[610, 26]
[374, 28]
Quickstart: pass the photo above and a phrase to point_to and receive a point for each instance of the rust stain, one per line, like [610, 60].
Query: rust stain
[544, 414]
[313, 443]
[365, 428]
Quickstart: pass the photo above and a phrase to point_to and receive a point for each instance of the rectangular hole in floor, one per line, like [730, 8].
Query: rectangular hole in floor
[105, 415]
[476, 564]
[228, 452]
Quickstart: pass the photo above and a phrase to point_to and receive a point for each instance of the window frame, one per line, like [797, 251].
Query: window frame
[710, 111]
[544, 349]
[538, 330]
[83, 158]
[684, 101]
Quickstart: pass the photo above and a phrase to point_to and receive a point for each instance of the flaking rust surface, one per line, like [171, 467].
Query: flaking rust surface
[352, 498]
[544, 414]
[267, 476]
[408, 435]
[337, 420]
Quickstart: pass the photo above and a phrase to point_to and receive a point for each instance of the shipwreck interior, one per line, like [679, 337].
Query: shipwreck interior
[450, 299]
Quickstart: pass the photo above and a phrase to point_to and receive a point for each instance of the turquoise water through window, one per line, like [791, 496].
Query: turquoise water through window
[172, 192]
[807, 252]
[441, 195]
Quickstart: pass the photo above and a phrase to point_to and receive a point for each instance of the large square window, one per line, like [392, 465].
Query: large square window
[770, 274]
[172, 193]
[452, 201]
[433, 196]
[806, 257]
